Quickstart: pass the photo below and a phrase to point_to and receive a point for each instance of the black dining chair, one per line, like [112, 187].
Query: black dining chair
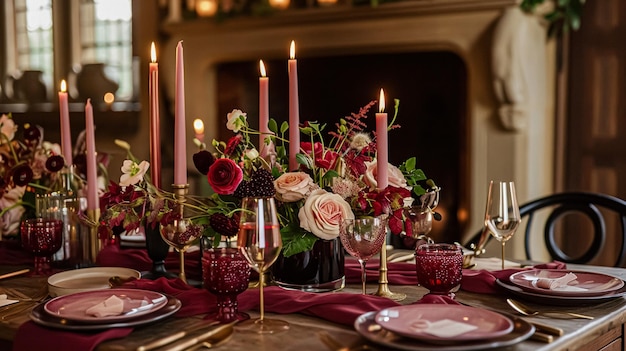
[596, 207]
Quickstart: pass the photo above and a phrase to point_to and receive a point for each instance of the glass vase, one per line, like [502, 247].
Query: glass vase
[320, 269]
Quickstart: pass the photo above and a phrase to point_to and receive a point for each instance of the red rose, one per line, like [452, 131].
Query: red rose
[224, 176]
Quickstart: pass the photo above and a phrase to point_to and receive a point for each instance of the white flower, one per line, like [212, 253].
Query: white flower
[8, 128]
[133, 172]
[359, 141]
[252, 154]
[323, 213]
[236, 120]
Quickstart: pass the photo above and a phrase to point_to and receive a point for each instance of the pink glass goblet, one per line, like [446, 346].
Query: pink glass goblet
[43, 237]
[226, 274]
[439, 268]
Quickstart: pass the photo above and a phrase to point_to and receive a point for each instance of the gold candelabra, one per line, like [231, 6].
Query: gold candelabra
[94, 241]
[180, 192]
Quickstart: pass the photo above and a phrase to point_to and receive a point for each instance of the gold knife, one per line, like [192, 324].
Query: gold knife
[543, 337]
[548, 329]
[176, 336]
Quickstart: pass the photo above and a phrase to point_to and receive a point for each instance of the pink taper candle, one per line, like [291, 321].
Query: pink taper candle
[294, 113]
[66, 135]
[264, 108]
[92, 171]
[180, 140]
[155, 122]
[382, 146]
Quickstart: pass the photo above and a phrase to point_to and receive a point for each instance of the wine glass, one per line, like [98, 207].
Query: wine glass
[439, 267]
[363, 238]
[260, 243]
[180, 234]
[226, 274]
[502, 213]
[43, 237]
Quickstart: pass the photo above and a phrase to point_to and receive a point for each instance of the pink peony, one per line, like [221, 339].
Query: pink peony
[224, 176]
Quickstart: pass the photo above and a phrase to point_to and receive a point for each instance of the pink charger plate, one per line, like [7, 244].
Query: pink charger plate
[594, 284]
[489, 324]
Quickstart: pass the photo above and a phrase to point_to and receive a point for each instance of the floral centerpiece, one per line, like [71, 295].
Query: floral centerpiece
[28, 165]
[336, 180]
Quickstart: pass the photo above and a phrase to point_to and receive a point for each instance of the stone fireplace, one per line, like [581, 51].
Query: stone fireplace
[482, 146]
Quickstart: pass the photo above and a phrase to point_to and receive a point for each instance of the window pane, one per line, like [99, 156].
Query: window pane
[110, 40]
[33, 19]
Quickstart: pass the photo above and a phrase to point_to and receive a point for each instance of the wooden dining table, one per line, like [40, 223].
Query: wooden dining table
[605, 332]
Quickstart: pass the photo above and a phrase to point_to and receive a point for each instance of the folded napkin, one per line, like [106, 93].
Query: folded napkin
[5, 301]
[12, 254]
[112, 306]
[336, 307]
[484, 281]
[560, 283]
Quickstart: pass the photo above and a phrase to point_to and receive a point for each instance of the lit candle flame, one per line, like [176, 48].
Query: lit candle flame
[262, 68]
[198, 126]
[381, 102]
[152, 53]
[63, 86]
[292, 50]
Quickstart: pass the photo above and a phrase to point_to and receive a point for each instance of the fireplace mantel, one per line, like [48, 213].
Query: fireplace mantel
[464, 27]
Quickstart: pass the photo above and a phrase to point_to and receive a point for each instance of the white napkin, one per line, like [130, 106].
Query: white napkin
[4, 300]
[561, 283]
[112, 306]
[443, 328]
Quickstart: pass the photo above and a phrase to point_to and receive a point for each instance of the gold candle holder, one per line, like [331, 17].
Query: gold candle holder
[180, 191]
[383, 283]
[95, 245]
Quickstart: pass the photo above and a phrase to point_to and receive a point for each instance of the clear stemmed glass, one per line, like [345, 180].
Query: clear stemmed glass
[502, 213]
[43, 237]
[363, 238]
[260, 243]
[180, 234]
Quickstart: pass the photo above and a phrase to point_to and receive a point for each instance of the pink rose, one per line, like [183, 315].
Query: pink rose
[224, 176]
[394, 175]
[323, 213]
[293, 186]
[10, 220]
[8, 128]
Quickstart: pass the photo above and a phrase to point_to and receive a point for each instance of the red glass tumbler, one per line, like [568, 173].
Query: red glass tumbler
[439, 268]
[226, 274]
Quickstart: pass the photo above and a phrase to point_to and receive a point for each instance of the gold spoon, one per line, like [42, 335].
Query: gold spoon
[214, 341]
[527, 311]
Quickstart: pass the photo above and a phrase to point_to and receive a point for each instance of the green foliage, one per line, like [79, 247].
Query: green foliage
[565, 15]
[296, 239]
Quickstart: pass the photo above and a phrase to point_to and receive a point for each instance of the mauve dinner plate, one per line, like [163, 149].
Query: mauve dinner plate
[41, 317]
[75, 306]
[411, 321]
[560, 300]
[366, 325]
[590, 283]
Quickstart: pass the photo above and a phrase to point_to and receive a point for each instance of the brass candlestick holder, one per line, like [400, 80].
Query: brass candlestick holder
[383, 283]
[95, 245]
[180, 192]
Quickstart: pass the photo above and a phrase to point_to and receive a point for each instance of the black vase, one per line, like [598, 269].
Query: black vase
[158, 250]
[320, 269]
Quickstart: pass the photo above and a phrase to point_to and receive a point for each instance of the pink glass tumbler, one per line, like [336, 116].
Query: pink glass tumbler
[439, 268]
[42, 237]
[226, 274]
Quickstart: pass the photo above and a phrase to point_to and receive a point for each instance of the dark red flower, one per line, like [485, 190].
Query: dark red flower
[55, 163]
[232, 144]
[22, 175]
[224, 176]
[203, 159]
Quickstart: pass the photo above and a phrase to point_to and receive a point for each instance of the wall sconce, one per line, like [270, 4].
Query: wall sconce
[279, 4]
[206, 8]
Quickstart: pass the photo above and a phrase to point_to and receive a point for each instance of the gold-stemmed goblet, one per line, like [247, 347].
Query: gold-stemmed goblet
[180, 234]
[260, 243]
